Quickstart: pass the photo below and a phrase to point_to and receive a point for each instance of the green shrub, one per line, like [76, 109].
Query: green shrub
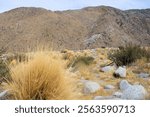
[128, 54]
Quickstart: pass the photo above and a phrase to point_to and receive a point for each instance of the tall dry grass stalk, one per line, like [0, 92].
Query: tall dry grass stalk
[42, 77]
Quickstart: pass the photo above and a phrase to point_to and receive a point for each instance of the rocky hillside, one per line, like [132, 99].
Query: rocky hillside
[90, 27]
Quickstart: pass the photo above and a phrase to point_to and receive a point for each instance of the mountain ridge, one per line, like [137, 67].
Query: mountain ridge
[89, 27]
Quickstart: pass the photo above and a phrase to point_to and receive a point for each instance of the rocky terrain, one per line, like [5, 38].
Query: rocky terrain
[92, 27]
[97, 79]
[81, 41]
[101, 80]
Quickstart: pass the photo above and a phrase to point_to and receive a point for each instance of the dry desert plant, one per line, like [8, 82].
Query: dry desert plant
[128, 54]
[40, 78]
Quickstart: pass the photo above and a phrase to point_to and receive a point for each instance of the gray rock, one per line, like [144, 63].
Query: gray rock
[124, 85]
[106, 98]
[117, 99]
[107, 68]
[91, 87]
[132, 92]
[109, 87]
[94, 54]
[120, 72]
[117, 94]
[83, 81]
[92, 39]
[3, 94]
[136, 92]
[143, 75]
[98, 97]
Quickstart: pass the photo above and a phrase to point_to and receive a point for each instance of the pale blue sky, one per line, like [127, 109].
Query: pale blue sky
[6, 5]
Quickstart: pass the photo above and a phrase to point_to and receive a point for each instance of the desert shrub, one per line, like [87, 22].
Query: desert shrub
[68, 55]
[20, 57]
[64, 51]
[65, 56]
[4, 70]
[147, 54]
[128, 54]
[40, 78]
[87, 60]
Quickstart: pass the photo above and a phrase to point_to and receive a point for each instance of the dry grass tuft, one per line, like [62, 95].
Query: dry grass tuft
[40, 78]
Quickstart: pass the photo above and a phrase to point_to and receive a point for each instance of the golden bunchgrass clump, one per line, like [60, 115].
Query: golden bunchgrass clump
[40, 78]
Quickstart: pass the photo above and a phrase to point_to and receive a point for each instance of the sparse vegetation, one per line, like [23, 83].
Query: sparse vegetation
[4, 71]
[128, 54]
[147, 54]
[45, 75]
[82, 59]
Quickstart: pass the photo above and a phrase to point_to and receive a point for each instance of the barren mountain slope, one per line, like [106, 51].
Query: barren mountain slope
[89, 27]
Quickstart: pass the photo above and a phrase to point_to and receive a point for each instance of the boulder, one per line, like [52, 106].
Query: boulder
[124, 85]
[120, 72]
[3, 94]
[132, 92]
[107, 68]
[91, 87]
[109, 87]
[136, 92]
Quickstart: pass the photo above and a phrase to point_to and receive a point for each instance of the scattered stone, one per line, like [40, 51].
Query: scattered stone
[124, 85]
[120, 72]
[136, 92]
[94, 54]
[3, 94]
[109, 87]
[83, 81]
[143, 75]
[107, 68]
[98, 97]
[106, 98]
[91, 87]
[132, 92]
[117, 99]
[117, 94]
